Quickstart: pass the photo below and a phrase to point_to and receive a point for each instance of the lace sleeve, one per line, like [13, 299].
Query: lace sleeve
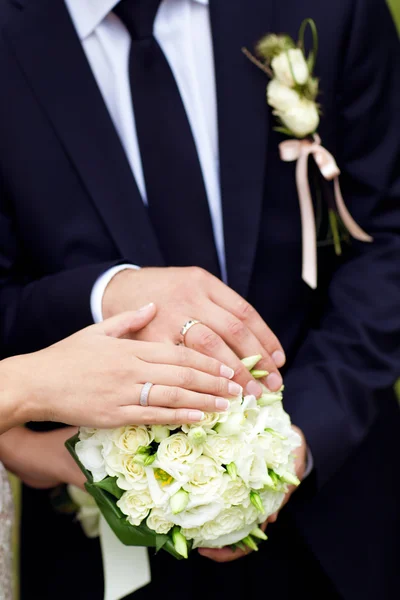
[6, 518]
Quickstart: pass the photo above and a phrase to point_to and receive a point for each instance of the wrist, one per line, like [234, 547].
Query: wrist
[26, 388]
[116, 292]
[14, 393]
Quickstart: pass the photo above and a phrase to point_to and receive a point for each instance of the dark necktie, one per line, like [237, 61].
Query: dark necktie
[176, 195]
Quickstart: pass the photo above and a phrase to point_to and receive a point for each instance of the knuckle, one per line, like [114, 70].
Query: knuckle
[221, 386]
[183, 355]
[245, 310]
[186, 377]
[173, 395]
[237, 329]
[241, 372]
[209, 341]
[197, 274]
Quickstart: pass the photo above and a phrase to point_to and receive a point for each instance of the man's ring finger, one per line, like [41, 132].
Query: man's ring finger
[186, 328]
[144, 394]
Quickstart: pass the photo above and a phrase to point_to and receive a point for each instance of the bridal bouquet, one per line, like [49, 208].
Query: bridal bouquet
[201, 485]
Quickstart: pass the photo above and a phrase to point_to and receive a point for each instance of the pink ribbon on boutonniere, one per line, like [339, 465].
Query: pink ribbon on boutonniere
[300, 150]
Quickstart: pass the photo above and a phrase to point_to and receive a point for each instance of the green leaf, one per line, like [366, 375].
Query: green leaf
[333, 222]
[161, 540]
[109, 484]
[283, 130]
[312, 57]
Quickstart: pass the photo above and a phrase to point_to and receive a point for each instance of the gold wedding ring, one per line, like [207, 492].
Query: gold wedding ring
[186, 328]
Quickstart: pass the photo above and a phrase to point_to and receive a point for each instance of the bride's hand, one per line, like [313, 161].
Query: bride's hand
[94, 378]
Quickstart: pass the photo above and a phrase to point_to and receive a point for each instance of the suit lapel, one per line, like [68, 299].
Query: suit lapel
[51, 56]
[243, 129]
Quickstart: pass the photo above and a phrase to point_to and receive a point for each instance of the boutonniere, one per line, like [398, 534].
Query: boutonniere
[292, 94]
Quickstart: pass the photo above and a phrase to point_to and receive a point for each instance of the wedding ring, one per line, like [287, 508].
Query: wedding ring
[144, 394]
[186, 328]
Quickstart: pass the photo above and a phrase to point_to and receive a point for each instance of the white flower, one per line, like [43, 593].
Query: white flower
[136, 505]
[236, 493]
[130, 474]
[253, 469]
[231, 425]
[88, 514]
[130, 439]
[228, 521]
[208, 422]
[160, 432]
[272, 502]
[301, 119]
[90, 453]
[157, 521]
[191, 533]
[205, 478]
[281, 97]
[291, 67]
[197, 435]
[221, 449]
[86, 432]
[196, 516]
[176, 454]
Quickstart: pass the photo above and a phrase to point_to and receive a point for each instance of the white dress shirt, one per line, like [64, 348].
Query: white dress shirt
[182, 29]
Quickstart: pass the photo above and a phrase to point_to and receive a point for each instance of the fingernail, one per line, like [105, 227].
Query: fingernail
[226, 372]
[195, 415]
[221, 404]
[254, 389]
[234, 388]
[279, 358]
[145, 307]
[274, 382]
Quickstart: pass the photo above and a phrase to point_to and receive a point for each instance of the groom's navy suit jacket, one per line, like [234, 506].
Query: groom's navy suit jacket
[70, 208]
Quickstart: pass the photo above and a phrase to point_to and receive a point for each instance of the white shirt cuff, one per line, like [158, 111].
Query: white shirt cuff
[309, 463]
[96, 297]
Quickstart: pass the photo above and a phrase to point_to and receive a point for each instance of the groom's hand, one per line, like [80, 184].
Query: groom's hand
[230, 327]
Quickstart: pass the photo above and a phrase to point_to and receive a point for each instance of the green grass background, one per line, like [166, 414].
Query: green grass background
[395, 7]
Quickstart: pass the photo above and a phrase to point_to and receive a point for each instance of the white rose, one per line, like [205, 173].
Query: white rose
[130, 474]
[157, 521]
[236, 493]
[136, 505]
[208, 422]
[129, 439]
[176, 454]
[280, 96]
[90, 453]
[301, 119]
[295, 72]
[228, 521]
[221, 449]
[205, 478]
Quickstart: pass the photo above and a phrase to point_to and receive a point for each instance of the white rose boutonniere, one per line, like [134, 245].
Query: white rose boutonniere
[292, 94]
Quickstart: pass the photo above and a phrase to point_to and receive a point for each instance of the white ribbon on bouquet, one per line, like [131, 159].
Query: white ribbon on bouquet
[126, 568]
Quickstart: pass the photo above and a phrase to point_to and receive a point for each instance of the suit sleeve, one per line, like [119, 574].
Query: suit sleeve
[332, 387]
[35, 313]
